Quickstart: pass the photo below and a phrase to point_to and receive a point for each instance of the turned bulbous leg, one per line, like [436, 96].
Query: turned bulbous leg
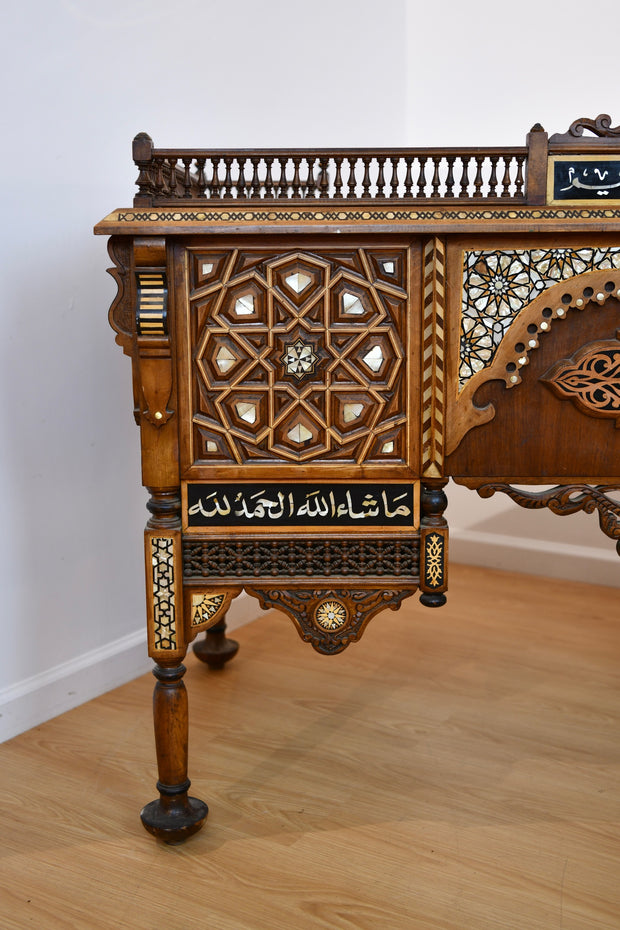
[174, 816]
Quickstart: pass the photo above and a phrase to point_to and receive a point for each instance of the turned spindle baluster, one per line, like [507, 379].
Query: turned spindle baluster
[228, 183]
[268, 177]
[422, 177]
[216, 186]
[436, 176]
[187, 178]
[519, 180]
[158, 164]
[338, 177]
[478, 180]
[352, 180]
[366, 181]
[506, 178]
[283, 183]
[450, 176]
[296, 183]
[394, 180]
[172, 177]
[310, 182]
[255, 182]
[493, 176]
[324, 178]
[464, 182]
[201, 180]
[380, 176]
[409, 176]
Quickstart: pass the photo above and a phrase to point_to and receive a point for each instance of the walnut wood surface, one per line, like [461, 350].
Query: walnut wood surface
[448, 299]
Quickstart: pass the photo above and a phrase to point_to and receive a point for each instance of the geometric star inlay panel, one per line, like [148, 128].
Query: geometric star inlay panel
[299, 356]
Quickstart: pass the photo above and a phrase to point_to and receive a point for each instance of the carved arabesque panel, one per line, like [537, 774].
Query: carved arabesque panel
[299, 357]
[590, 379]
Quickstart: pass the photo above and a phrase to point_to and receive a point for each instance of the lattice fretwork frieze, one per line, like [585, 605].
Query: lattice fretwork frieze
[310, 558]
[498, 285]
[300, 356]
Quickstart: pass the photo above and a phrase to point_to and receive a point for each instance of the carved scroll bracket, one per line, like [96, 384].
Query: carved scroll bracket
[567, 499]
[121, 316]
[600, 127]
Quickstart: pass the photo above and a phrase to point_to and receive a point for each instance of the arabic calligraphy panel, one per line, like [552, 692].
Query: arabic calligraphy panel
[583, 178]
[282, 506]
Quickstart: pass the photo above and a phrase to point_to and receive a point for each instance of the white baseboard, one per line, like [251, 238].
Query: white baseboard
[34, 700]
[590, 564]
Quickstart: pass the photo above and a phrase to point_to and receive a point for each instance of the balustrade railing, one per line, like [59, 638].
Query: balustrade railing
[167, 176]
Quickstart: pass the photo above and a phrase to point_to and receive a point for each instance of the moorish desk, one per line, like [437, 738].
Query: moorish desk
[319, 341]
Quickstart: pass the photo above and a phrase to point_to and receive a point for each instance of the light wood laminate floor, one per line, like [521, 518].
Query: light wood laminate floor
[458, 769]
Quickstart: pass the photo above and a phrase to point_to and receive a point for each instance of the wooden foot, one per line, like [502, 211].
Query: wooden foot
[174, 819]
[216, 649]
[174, 816]
[433, 600]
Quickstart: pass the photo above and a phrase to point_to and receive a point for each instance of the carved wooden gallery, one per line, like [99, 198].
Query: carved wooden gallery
[319, 341]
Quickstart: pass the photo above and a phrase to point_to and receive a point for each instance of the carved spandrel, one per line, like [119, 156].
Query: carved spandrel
[330, 619]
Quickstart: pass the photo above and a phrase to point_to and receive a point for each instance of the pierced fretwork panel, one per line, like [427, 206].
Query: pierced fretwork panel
[299, 356]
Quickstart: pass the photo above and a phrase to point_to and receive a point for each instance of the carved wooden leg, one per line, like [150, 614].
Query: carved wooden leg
[174, 816]
[434, 540]
[216, 649]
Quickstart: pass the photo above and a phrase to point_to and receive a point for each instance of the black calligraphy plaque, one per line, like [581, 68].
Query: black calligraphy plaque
[593, 179]
[270, 504]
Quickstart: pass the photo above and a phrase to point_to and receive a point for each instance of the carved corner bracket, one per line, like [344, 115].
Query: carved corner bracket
[330, 619]
[567, 499]
[121, 314]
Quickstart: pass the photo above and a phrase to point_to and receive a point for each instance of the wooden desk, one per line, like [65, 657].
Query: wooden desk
[319, 341]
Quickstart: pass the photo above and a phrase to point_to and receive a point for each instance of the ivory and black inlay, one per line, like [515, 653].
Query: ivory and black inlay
[319, 504]
[582, 178]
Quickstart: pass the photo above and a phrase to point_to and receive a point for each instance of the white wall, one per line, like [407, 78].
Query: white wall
[484, 74]
[80, 79]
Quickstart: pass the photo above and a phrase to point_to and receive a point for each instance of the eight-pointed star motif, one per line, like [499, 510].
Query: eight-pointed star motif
[299, 358]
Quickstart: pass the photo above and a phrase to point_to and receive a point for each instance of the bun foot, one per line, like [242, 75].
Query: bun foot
[216, 649]
[174, 820]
